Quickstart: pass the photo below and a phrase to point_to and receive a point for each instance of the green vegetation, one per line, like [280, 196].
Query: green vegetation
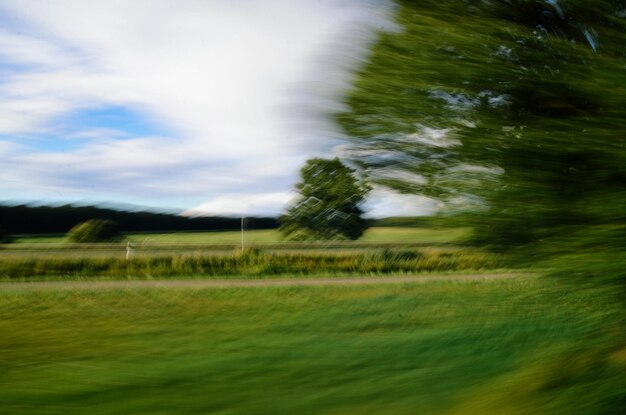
[252, 263]
[511, 113]
[216, 237]
[5, 237]
[495, 347]
[48, 238]
[199, 237]
[513, 110]
[417, 235]
[94, 230]
[375, 234]
[329, 203]
[382, 250]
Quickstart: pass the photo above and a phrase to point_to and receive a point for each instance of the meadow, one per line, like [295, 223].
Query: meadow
[525, 345]
[216, 254]
[374, 234]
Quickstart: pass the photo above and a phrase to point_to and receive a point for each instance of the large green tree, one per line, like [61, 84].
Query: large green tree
[328, 204]
[512, 108]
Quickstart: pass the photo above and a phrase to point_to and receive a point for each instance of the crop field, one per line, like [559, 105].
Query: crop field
[524, 345]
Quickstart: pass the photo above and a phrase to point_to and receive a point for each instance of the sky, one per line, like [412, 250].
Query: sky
[208, 106]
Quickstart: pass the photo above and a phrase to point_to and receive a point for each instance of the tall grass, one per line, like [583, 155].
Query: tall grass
[252, 263]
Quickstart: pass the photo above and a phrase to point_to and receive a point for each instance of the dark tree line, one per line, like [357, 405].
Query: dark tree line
[60, 219]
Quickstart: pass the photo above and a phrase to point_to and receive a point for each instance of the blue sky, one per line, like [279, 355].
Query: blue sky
[201, 105]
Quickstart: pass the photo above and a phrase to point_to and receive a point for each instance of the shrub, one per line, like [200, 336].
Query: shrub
[94, 230]
[5, 237]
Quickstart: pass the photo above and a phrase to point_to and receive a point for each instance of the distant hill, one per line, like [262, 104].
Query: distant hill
[19, 219]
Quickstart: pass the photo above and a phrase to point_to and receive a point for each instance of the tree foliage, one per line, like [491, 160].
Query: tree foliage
[94, 230]
[512, 108]
[329, 202]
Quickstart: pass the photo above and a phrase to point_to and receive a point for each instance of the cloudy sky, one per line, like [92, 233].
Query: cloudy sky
[210, 105]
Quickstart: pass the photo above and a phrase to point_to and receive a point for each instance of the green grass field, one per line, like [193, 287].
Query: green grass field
[375, 234]
[516, 346]
[494, 347]
[419, 235]
[169, 254]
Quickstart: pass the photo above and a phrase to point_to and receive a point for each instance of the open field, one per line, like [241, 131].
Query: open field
[415, 235]
[375, 234]
[226, 243]
[512, 346]
[381, 250]
[296, 328]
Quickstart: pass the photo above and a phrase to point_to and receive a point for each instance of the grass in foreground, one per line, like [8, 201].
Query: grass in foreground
[498, 347]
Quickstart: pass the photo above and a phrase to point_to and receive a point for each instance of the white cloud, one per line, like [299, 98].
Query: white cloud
[241, 88]
[384, 203]
[254, 204]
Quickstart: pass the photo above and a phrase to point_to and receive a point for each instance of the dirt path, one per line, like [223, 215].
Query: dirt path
[232, 283]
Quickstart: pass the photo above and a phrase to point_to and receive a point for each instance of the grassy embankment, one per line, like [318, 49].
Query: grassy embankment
[497, 347]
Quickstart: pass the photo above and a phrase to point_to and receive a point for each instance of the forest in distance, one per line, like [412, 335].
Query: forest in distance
[35, 219]
[32, 219]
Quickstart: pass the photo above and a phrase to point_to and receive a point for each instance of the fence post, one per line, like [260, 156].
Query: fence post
[128, 250]
[242, 247]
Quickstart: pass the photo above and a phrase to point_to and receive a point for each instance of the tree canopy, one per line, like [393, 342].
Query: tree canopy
[510, 108]
[328, 206]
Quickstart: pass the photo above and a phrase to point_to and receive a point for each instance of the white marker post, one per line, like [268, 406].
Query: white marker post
[242, 247]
